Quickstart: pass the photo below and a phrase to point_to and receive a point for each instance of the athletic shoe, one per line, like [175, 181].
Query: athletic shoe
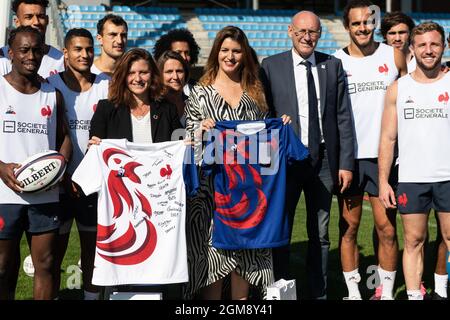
[424, 292]
[378, 296]
[352, 298]
[436, 296]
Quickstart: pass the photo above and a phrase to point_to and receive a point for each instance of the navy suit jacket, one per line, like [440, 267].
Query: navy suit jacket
[277, 75]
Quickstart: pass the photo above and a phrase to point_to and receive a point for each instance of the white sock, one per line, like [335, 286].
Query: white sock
[414, 294]
[91, 295]
[387, 279]
[440, 284]
[352, 279]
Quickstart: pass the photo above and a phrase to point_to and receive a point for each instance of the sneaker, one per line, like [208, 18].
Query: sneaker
[436, 296]
[352, 298]
[424, 292]
[378, 294]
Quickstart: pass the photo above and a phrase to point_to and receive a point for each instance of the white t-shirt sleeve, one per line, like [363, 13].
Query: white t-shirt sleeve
[89, 174]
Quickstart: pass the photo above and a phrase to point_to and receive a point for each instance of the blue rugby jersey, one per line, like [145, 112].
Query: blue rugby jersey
[249, 161]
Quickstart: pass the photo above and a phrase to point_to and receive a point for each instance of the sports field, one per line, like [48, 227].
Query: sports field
[337, 288]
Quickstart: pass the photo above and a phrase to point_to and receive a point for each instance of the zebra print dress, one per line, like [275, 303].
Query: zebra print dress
[206, 263]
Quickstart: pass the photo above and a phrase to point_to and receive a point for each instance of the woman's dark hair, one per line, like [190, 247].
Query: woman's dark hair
[118, 87]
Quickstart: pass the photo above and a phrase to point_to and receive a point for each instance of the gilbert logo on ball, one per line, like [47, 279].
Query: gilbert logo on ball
[41, 171]
[28, 266]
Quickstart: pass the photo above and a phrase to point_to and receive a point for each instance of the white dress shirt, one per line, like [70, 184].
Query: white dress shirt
[301, 88]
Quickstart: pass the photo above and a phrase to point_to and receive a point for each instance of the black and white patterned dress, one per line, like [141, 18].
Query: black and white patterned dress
[206, 263]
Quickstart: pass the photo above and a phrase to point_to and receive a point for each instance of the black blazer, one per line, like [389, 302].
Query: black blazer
[110, 122]
[277, 75]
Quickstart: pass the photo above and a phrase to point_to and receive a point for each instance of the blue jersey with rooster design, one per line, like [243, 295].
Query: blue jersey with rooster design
[249, 161]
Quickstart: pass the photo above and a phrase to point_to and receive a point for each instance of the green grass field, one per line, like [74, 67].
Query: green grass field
[337, 288]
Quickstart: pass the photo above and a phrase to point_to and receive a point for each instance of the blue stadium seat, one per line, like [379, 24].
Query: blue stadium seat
[73, 8]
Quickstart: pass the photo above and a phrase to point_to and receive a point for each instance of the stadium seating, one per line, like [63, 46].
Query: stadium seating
[266, 29]
[145, 24]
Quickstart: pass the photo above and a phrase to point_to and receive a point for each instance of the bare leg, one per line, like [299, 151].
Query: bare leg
[444, 219]
[441, 250]
[350, 209]
[8, 267]
[415, 230]
[61, 248]
[385, 225]
[43, 247]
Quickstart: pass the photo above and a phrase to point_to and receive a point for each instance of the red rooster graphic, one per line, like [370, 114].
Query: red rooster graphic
[402, 199]
[443, 97]
[241, 214]
[46, 111]
[115, 247]
[166, 172]
[383, 69]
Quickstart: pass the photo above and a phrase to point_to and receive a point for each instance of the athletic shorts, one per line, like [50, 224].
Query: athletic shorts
[365, 178]
[83, 210]
[422, 197]
[32, 218]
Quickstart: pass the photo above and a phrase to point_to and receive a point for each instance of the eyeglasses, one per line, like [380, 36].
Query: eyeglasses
[300, 33]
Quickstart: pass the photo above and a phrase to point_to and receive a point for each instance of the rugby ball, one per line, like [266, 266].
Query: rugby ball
[28, 266]
[41, 171]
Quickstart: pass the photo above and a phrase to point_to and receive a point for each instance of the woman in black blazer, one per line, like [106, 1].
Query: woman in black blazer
[135, 104]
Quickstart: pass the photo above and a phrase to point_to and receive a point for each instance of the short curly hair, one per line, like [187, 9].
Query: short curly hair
[164, 43]
[16, 3]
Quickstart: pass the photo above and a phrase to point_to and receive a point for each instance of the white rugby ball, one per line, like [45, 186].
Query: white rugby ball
[41, 171]
[28, 266]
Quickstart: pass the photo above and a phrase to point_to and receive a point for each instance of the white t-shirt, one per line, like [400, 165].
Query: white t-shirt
[5, 66]
[28, 123]
[96, 70]
[141, 210]
[52, 62]
[80, 107]
[423, 130]
[367, 79]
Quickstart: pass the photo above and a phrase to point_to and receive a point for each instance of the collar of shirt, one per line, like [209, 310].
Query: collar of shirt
[297, 59]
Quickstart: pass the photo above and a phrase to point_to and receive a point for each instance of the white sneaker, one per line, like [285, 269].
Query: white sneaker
[352, 298]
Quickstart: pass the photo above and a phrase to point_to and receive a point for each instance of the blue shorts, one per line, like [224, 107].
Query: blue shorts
[83, 209]
[32, 218]
[422, 197]
[365, 178]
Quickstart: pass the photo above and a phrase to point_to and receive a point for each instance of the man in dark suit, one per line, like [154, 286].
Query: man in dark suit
[309, 86]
